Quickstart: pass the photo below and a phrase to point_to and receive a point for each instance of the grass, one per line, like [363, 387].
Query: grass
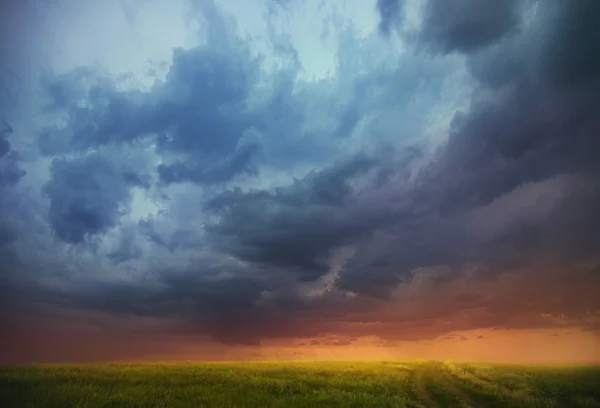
[299, 384]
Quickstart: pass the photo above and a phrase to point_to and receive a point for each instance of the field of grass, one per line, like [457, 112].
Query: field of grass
[299, 384]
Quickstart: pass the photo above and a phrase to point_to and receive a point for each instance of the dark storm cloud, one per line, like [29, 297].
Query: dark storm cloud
[198, 116]
[570, 56]
[208, 299]
[515, 182]
[200, 293]
[204, 105]
[198, 112]
[5, 131]
[456, 25]
[542, 127]
[467, 25]
[536, 130]
[146, 227]
[4, 146]
[6, 235]
[10, 172]
[97, 112]
[389, 11]
[184, 238]
[294, 227]
[238, 163]
[87, 196]
[556, 49]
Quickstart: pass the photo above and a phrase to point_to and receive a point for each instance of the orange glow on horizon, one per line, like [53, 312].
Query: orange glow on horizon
[51, 342]
[540, 346]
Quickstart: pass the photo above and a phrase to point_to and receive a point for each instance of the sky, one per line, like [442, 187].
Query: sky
[286, 179]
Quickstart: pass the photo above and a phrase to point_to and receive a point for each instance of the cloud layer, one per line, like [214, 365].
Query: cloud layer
[445, 165]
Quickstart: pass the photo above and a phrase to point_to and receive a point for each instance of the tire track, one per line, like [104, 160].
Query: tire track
[436, 387]
[422, 378]
[461, 398]
[468, 391]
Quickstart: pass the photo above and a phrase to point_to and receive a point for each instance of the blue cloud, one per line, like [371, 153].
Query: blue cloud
[87, 196]
[389, 11]
[253, 181]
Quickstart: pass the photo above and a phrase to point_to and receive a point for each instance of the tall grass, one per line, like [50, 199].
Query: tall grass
[299, 384]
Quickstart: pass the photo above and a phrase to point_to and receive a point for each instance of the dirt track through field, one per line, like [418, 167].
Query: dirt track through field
[436, 386]
[422, 383]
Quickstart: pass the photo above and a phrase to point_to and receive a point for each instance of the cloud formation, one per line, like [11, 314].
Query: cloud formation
[389, 11]
[467, 25]
[406, 192]
[87, 196]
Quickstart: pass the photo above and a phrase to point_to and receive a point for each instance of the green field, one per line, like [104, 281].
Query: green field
[299, 384]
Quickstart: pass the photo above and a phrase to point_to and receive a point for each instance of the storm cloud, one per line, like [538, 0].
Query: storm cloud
[467, 25]
[246, 188]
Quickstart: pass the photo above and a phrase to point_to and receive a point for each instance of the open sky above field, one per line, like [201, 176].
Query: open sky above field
[236, 179]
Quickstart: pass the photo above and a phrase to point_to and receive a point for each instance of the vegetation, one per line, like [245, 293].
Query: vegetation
[299, 384]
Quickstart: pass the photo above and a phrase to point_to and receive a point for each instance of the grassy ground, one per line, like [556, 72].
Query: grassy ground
[299, 384]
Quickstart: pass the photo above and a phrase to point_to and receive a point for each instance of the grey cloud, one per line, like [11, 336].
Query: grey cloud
[294, 227]
[467, 25]
[521, 135]
[383, 91]
[4, 147]
[570, 54]
[127, 248]
[213, 300]
[4, 143]
[198, 116]
[330, 186]
[408, 240]
[241, 162]
[389, 11]
[178, 239]
[10, 172]
[7, 235]
[87, 196]
[146, 227]
[97, 112]
[125, 252]
[530, 132]
[214, 122]
[556, 50]
[456, 25]
[173, 110]
[198, 113]
[530, 121]
[131, 9]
